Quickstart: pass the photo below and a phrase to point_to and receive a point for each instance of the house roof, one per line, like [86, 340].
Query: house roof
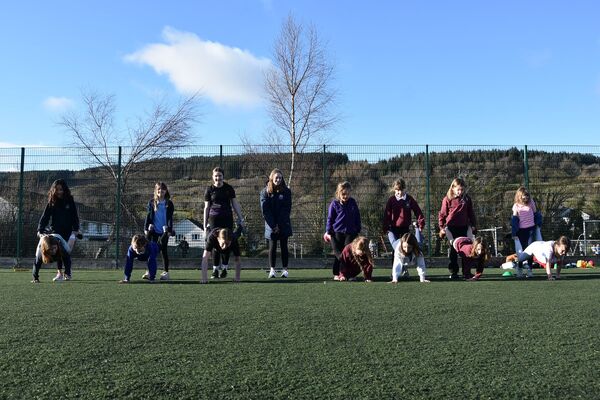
[193, 221]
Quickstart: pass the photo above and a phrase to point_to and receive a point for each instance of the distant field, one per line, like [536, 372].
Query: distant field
[302, 338]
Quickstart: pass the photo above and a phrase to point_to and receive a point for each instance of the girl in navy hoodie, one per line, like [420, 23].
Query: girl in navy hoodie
[456, 219]
[276, 207]
[159, 224]
[343, 223]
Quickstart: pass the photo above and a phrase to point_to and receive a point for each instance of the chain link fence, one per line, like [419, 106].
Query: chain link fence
[112, 194]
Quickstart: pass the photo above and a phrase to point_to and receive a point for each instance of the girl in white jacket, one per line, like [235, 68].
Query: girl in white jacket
[407, 252]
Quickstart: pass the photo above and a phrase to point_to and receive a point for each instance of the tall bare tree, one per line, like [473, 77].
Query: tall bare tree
[166, 127]
[299, 89]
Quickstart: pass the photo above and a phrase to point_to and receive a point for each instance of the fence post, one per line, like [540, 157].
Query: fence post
[324, 192]
[118, 216]
[221, 155]
[428, 200]
[20, 210]
[526, 168]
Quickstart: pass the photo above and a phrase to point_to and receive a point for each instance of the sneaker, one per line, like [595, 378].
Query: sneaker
[124, 281]
[215, 274]
[58, 278]
[35, 280]
[454, 277]
[67, 277]
[529, 273]
[475, 277]
[146, 275]
[519, 271]
[336, 277]
[164, 276]
[223, 274]
[284, 273]
[271, 273]
[405, 274]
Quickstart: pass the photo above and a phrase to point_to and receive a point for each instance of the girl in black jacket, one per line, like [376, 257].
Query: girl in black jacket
[60, 215]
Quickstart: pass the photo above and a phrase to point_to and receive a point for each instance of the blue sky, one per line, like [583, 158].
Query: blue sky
[409, 72]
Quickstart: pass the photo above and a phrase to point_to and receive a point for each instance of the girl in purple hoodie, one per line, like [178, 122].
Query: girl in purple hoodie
[343, 223]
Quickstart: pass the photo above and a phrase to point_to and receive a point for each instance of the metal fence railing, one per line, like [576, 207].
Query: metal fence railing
[111, 198]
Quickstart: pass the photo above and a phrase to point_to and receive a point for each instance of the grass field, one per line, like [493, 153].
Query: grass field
[306, 337]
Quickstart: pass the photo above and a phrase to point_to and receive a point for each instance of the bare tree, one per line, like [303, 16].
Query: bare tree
[299, 89]
[163, 129]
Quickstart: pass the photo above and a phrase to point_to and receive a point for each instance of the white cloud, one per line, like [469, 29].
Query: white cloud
[57, 104]
[226, 75]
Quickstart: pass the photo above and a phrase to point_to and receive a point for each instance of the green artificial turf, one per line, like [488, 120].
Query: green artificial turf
[304, 337]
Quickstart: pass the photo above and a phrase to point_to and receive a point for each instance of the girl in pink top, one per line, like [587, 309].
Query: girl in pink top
[525, 225]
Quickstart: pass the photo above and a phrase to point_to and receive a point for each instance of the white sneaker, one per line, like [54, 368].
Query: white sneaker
[271, 273]
[529, 273]
[164, 276]
[146, 275]
[284, 273]
[58, 278]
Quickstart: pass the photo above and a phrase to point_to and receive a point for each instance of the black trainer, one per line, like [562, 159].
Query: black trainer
[215, 274]
[223, 274]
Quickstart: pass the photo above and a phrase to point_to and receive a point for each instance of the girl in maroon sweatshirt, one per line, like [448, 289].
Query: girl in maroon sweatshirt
[398, 212]
[356, 258]
[473, 253]
[455, 218]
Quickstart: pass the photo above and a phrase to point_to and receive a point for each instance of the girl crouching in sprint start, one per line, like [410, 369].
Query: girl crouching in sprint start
[546, 254]
[143, 250]
[356, 258]
[221, 243]
[52, 248]
[407, 252]
[472, 253]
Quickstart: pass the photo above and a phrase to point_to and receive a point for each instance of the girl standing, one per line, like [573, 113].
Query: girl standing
[398, 212]
[456, 218]
[525, 223]
[343, 223]
[356, 258]
[159, 224]
[52, 248]
[219, 199]
[407, 252]
[473, 253]
[60, 214]
[276, 207]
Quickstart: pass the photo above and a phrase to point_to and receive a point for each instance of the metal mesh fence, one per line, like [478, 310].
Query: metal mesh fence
[564, 182]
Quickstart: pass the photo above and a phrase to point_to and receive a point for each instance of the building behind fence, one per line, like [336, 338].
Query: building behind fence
[564, 181]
